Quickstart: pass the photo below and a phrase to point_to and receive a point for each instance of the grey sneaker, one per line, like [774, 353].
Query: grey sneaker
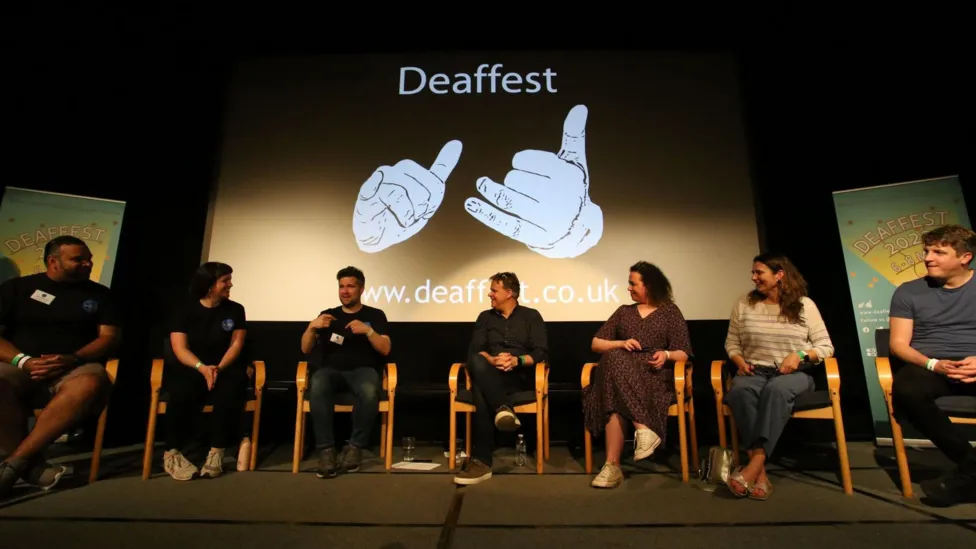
[44, 475]
[328, 463]
[645, 442]
[8, 477]
[178, 466]
[214, 466]
[609, 477]
[351, 456]
[506, 420]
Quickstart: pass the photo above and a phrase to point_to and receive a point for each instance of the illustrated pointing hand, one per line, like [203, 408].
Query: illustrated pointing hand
[396, 202]
[545, 201]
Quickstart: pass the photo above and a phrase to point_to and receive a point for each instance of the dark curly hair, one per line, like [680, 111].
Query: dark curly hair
[792, 287]
[658, 286]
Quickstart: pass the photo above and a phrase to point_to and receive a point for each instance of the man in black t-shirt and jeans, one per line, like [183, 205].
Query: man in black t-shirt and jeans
[58, 328]
[349, 344]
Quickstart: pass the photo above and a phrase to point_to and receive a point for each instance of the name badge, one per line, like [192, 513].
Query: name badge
[337, 339]
[43, 297]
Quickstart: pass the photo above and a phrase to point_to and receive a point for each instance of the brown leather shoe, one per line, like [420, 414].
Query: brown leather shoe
[472, 472]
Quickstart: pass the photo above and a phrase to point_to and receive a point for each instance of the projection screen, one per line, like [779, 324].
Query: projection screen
[432, 172]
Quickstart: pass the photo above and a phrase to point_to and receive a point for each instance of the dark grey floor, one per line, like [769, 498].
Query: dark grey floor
[517, 508]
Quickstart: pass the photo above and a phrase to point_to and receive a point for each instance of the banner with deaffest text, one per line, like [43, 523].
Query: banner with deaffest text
[29, 219]
[881, 231]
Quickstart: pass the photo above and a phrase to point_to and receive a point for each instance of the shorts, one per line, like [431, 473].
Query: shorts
[37, 394]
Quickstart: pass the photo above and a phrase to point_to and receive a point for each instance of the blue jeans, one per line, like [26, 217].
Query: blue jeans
[365, 386]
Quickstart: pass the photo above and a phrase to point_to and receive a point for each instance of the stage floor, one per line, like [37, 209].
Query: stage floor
[516, 508]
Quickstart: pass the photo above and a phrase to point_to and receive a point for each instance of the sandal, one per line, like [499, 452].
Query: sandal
[737, 477]
[765, 487]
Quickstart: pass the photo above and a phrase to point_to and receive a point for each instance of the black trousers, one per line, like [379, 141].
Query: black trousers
[188, 394]
[492, 389]
[913, 395]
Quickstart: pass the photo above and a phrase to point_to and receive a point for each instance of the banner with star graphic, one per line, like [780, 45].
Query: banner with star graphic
[881, 231]
[29, 219]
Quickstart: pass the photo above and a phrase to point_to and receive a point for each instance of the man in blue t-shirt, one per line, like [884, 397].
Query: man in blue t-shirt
[349, 345]
[933, 332]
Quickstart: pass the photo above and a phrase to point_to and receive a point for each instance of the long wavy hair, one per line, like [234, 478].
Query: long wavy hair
[658, 286]
[792, 287]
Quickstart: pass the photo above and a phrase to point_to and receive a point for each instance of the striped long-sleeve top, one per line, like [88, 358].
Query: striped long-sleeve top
[763, 338]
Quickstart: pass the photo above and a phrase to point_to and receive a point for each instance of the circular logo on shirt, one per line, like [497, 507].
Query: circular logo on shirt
[228, 324]
[90, 306]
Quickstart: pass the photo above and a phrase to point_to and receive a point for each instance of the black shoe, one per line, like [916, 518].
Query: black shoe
[351, 456]
[328, 463]
[952, 489]
[8, 477]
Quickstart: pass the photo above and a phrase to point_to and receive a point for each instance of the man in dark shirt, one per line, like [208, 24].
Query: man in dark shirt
[933, 332]
[58, 328]
[349, 343]
[508, 341]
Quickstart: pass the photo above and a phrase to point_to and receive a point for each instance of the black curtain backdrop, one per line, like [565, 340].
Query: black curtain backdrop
[143, 124]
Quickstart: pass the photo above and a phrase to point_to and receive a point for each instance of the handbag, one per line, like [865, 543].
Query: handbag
[716, 468]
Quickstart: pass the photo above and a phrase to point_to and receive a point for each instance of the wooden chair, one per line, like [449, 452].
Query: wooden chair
[683, 403]
[810, 405]
[526, 402]
[112, 369]
[157, 407]
[344, 403]
[961, 409]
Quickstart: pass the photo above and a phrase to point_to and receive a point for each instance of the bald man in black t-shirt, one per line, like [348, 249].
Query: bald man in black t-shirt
[58, 327]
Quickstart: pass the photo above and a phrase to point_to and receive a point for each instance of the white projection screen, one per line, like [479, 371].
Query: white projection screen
[432, 172]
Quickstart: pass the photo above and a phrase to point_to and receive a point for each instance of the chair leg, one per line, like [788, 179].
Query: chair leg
[296, 459]
[389, 437]
[694, 433]
[901, 456]
[382, 434]
[452, 443]
[255, 434]
[588, 450]
[545, 427]
[845, 464]
[147, 455]
[539, 438]
[97, 450]
[683, 440]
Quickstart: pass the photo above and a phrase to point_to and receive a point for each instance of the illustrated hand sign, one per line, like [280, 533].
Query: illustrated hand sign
[396, 202]
[545, 201]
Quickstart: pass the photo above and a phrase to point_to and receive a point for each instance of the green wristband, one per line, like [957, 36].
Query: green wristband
[803, 356]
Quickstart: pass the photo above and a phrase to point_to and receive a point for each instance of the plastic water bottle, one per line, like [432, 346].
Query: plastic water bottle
[244, 455]
[520, 451]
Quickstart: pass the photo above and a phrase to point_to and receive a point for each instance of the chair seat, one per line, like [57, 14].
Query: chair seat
[521, 397]
[960, 405]
[811, 400]
[164, 396]
[348, 399]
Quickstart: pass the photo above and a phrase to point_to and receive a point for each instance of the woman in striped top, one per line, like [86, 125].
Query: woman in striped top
[775, 335]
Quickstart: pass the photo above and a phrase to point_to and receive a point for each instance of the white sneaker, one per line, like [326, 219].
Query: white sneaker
[645, 442]
[610, 477]
[214, 466]
[178, 466]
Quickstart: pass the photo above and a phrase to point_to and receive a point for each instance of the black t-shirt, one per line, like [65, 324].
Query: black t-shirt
[209, 330]
[355, 351]
[42, 316]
